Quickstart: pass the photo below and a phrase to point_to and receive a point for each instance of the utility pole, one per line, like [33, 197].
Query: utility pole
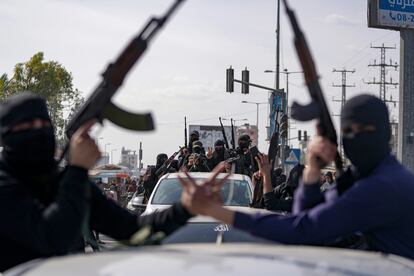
[286, 104]
[388, 15]
[406, 112]
[383, 83]
[277, 76]
[277, 83]
[344, 85]
[140, 156]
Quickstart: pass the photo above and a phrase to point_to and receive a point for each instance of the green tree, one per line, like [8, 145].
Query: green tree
[48, 79]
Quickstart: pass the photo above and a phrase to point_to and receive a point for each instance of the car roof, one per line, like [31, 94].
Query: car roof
[206, 175]
[226, 259]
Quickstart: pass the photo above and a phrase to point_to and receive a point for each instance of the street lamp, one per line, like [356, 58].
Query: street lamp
[287, 73]
[106, 153]
[234, 120]
[112, 157]
[257, 110]
[257, 115]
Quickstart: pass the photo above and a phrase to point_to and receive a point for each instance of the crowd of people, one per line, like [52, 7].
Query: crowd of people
[47, 211]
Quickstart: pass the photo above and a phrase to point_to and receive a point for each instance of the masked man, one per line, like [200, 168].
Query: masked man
[244, 163]
[218, 155]
[45, 212]
[375, 196]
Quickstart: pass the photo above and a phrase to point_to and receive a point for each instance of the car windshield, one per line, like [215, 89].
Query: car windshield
[233, 192]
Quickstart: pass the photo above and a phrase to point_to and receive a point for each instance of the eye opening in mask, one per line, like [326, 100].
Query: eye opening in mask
[32, 124]
[352, 130]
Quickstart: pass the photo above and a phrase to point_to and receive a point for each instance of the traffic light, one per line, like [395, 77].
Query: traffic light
[284, 126]
[245, 78]
[300, 135]
[305, 136]
[230, 80]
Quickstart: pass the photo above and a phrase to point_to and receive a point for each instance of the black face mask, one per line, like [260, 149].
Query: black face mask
[197, 150]
[30, 153]
[366, 150]
[244, 145]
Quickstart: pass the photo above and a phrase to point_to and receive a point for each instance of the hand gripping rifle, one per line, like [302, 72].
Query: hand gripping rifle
[167, 164]
[226, 142]
[317, 109]
[99, 106]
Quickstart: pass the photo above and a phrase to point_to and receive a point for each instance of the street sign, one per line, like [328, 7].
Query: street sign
[293, 157]
[276, 103]
[391, 14]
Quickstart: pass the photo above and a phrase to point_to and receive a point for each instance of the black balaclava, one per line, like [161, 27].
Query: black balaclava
[194, 136]
[175, 166]
[294, 176]
[219, 149]
[28, 154]
[366, 149]
[161, 158]
[198, 147]
[244, 141]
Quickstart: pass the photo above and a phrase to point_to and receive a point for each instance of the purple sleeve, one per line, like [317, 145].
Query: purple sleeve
[355, 210]
[306, 197]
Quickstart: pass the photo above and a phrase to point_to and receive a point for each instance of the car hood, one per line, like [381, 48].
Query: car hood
[151, 208]
[230, 259]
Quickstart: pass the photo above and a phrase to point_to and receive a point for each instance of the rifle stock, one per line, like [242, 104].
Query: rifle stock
[99, 106]
[317, 109]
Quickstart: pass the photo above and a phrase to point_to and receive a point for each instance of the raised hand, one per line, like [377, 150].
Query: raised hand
[83, 151]
[209, 154]
[264, 169]
[264, 164]
[199, 198]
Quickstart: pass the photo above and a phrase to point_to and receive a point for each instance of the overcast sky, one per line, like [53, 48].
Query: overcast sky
[183, 73]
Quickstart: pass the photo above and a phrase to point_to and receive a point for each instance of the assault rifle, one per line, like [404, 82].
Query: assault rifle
[226, 142]
[317, 109]
[99, 106]
[167, 164]
[274, 141]
[233, 140]
[185, 132]
[232, 159]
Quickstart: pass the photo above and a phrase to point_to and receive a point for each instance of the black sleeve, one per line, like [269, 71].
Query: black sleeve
[212, 163]
[112, 220]
[48, 231]
[273, 203]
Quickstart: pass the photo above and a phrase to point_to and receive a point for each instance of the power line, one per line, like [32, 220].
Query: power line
[344, 86]
[383, 83]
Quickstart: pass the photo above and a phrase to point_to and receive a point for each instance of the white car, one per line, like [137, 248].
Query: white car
[237, 191]
[221, 260]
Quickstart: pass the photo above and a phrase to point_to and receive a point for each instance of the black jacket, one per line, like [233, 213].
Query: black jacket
[280, 199]
[32, 228]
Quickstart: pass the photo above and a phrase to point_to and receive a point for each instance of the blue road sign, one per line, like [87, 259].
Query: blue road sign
[293, 158]
[396, 13]
[276, 103]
